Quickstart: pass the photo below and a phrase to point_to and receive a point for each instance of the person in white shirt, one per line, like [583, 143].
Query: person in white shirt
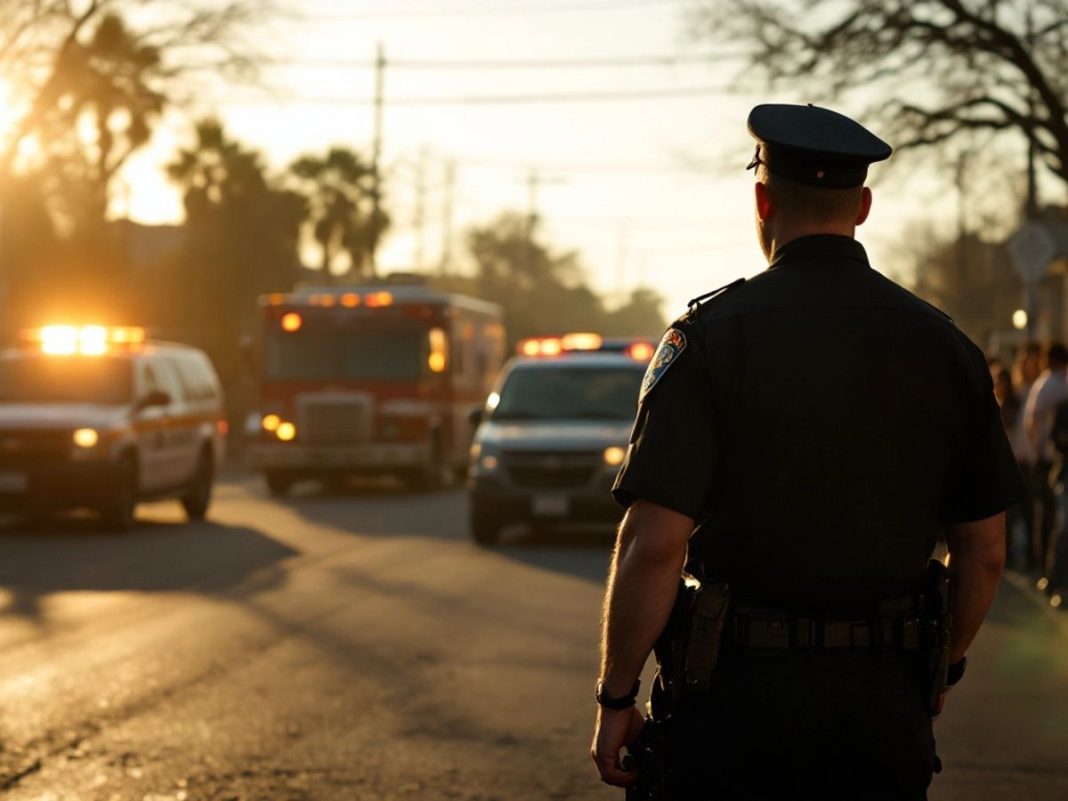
[1048, 391]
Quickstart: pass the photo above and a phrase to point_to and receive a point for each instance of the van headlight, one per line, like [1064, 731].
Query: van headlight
[86, 443]
[86, 438]
[614, 456]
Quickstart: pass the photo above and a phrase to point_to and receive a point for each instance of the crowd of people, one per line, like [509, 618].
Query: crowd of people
[1033, 396]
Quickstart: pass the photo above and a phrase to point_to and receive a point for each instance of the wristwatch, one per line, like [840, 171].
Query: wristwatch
[956, 671]
[625, 702]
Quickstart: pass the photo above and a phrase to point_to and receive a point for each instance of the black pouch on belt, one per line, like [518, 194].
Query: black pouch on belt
[708, 617]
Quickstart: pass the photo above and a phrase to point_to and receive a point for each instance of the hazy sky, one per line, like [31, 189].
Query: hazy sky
[650, 189]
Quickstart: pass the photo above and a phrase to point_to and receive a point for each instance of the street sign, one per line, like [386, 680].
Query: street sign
[1032, 248]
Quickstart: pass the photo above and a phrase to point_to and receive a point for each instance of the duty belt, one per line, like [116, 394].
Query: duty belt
[762, 630]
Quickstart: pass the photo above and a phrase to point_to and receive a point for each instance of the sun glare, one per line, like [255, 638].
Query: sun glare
[10, 111]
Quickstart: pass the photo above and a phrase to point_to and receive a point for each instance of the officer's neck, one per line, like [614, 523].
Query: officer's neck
[779, 233]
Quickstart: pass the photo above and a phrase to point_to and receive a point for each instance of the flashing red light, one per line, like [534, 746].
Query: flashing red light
[641, 351]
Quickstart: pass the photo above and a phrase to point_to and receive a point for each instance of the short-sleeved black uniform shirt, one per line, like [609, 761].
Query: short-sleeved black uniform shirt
[821, 425]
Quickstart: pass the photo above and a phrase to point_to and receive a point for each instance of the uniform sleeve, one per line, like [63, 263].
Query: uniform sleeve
[671, 459]
[984, 477]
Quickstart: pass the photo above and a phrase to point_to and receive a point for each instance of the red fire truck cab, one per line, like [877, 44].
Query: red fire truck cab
[370, 380]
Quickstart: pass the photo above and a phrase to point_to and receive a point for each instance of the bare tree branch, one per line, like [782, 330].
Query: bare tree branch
[978, 64]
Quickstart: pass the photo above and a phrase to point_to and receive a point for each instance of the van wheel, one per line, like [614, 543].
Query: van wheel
[118, 512]
[198, 498]
[278, 482]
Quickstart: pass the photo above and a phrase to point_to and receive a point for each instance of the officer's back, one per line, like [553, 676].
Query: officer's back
[847, 399]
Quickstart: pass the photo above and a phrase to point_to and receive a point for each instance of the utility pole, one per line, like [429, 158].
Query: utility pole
[621, 259]
[533, 180]
[446, 218]
[376, 157]
[419, 215]
[962, 204]
[1031, 210]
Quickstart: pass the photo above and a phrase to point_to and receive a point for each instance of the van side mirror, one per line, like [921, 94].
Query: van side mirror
[476, 416]
[156, 397]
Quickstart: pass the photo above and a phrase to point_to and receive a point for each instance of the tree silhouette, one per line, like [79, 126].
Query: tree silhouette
[340, 191]
[939, 70]
[78, 67]
[543, 291]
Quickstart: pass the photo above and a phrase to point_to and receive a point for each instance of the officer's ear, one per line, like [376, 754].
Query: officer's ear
[763, 201]
[865, 206]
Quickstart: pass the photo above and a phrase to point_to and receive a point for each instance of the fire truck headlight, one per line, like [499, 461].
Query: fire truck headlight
[613, 457]
[287, 432]
[86, 438]
[270, 422]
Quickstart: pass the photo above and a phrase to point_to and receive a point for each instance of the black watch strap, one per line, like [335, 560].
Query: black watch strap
[956, 671]
[625, 702]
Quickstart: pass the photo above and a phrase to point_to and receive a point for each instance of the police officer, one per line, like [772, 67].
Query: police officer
[806, 437]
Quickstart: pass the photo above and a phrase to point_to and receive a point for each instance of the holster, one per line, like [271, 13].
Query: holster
[686, 655]
[936, 620]
[687, 651]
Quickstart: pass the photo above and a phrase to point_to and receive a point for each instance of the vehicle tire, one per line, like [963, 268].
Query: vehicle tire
[118, 512]
[485, 527]
[279, 482]
[198, 498]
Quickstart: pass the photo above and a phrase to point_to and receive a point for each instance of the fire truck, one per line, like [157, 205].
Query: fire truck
[372, 380]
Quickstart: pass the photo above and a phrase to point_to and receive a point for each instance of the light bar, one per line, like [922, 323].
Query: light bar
[378, 300]
[641, 351]
[86, 340]
[555, 346]
[581, 342]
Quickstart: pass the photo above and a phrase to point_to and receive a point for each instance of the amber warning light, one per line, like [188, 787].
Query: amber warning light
[85, 340]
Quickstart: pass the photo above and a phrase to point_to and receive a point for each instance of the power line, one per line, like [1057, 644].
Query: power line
[617, 168]
[654, 60]
[500, 100]
[464, 11]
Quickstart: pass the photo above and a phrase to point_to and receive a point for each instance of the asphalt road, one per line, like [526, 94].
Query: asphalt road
[357, 646]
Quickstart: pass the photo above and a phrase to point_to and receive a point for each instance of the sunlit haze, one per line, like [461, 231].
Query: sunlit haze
[639, 166]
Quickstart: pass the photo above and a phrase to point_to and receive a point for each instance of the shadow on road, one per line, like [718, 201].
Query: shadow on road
[391, 510]
[69, 554]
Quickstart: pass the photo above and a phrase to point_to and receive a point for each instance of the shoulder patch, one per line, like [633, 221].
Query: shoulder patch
[673, 344]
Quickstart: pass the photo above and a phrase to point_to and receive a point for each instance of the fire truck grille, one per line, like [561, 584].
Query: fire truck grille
[556, 469]
[334, 423]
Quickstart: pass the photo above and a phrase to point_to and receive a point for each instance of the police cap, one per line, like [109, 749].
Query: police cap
[814, 146]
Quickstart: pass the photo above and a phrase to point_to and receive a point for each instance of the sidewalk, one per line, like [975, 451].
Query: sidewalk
[1004, 734]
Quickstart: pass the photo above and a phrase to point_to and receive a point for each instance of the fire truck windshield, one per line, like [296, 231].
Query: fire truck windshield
[312, 355]
[570, 392]
[38, 378]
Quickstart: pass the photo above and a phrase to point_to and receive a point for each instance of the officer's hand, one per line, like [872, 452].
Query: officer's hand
[615, 730]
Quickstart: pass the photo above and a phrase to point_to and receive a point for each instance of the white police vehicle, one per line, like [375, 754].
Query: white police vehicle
[554, 432]
[102, 418]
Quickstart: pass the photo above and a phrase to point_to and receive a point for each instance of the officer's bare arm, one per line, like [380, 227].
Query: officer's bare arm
[977, 560]
[642, 583]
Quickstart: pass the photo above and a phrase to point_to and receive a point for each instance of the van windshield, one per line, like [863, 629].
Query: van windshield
[36, 378]
[570, 393]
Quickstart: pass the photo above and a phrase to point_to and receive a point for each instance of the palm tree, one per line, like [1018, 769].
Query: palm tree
[340, 188]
